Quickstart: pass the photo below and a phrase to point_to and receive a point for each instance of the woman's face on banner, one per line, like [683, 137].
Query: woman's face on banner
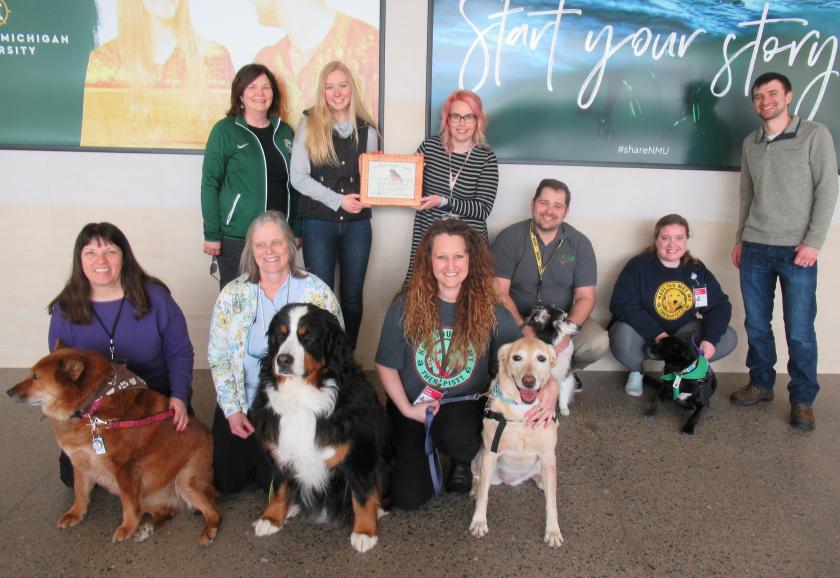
[163, 9]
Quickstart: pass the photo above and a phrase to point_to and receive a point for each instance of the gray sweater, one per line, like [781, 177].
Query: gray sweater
[788, 186]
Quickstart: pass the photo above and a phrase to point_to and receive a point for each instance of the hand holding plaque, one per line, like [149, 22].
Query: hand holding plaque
[391, 180]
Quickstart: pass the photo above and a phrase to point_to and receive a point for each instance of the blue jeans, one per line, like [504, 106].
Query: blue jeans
[348, 243]
[761, 266]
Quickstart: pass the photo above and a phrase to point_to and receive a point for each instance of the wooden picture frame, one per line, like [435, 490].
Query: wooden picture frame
[391, 180]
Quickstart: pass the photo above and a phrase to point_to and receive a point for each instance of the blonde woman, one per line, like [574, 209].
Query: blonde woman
[325, 170]
[157, 84]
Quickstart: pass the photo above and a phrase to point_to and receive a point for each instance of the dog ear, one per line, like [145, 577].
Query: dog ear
[552, 356]
[502, 356]
[59, 344]
[338, 353]
[72, 368]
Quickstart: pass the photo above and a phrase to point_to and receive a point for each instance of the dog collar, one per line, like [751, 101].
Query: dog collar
[699, 369]
[122, 379]
[496, 391]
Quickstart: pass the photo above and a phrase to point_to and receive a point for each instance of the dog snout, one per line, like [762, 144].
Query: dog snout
[284, 362]
[529, 381]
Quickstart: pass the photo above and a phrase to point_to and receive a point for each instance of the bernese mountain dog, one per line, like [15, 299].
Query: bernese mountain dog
[321, 421]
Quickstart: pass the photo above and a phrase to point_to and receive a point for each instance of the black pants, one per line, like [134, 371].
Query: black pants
[238, 462]
[456, 432]
[228, 260]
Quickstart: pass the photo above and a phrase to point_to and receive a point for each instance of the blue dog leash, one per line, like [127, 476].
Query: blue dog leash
[431, 453]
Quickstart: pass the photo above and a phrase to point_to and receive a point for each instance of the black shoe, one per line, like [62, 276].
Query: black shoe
[460, 478]
[578, 382]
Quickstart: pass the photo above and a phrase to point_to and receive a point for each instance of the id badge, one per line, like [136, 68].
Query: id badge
[701, 297]
[428, 394]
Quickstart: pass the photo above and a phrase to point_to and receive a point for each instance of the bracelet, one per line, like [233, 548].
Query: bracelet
[443, 202]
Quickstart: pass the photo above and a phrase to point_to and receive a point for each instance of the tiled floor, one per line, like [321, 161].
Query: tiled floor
[746, 496]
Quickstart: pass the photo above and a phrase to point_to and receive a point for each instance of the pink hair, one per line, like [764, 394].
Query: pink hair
[473, 101]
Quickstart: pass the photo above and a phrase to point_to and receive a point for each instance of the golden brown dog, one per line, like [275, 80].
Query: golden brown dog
[519, 453]
[118, 435]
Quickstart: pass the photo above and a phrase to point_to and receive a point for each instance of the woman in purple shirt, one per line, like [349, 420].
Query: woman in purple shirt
[112, 306]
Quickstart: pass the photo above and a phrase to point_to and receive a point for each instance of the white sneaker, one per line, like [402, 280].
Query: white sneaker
[634, 383]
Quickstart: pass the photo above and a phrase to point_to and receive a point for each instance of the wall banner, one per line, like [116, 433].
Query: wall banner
[156, 74]
[636, 82]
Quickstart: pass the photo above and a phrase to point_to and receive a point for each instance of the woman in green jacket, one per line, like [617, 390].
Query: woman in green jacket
[246, 168]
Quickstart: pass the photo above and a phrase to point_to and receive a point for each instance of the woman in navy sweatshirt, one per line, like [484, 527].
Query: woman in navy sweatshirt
[666, 291]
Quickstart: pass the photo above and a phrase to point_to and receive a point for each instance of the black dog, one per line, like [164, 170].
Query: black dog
[323, 425]
[687, 378]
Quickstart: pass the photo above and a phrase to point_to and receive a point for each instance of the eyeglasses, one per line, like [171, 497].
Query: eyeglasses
[465, 118]
[214, 268]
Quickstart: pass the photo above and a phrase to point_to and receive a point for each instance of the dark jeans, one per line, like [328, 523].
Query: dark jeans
[456, 432]
[761, 267]
[228, 260]
[348, 243]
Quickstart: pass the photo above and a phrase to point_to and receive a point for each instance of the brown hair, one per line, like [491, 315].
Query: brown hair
[74, 299]
[246, 75]
[475, 315]
[673, 219]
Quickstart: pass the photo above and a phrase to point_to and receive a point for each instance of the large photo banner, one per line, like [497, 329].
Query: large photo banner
[640, 82]
[156, 74]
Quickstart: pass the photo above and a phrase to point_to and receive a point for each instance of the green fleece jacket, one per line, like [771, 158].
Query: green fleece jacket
[788, 186]
[234, 189]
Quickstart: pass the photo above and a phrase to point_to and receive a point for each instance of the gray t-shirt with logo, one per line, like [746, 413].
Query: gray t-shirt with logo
[419, 368]
[572, 266]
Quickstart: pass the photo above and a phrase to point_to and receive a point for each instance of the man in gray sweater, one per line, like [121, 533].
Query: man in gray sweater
[788, 191]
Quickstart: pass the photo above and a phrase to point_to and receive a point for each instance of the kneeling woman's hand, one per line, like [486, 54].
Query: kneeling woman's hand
[240, 426]
[542, 414]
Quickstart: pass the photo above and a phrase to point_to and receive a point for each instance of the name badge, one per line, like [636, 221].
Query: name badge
[428, 394]
[701, 297]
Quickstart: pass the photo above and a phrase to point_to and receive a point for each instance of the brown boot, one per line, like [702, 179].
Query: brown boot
[802, 416]
[751, 394]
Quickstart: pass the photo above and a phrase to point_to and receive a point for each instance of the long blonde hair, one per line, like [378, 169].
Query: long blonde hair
[319, 141]
[135, 43]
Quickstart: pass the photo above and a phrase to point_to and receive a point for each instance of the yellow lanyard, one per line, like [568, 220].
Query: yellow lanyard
[538, 256]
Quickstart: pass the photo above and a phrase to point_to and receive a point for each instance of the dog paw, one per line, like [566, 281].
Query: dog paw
[687, 431]
[264, 527]
[144, 531]
[380, 513]
[479, 528]
[553, 538]
[208, 535]
[362, 542]
[123, 533]
[70, 519]
[648, 417]
[564, 411]
[294, 510]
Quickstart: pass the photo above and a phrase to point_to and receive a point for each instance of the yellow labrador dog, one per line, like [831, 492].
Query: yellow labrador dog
[511, 452]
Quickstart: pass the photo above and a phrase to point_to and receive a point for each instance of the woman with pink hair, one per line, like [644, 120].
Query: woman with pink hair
[461, 174]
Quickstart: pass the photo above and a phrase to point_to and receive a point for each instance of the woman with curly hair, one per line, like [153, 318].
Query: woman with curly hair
[439, 341]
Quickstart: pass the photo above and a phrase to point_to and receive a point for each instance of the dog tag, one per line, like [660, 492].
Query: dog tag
[99, 445]
[677, 380]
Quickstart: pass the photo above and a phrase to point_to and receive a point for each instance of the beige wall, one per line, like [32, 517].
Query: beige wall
[46, 197]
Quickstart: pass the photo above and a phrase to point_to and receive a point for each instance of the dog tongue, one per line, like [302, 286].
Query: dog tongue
[528, 395]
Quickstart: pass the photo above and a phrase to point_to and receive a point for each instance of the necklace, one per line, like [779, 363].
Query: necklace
[453, 180]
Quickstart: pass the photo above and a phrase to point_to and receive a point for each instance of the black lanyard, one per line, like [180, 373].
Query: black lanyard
[113, 329]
